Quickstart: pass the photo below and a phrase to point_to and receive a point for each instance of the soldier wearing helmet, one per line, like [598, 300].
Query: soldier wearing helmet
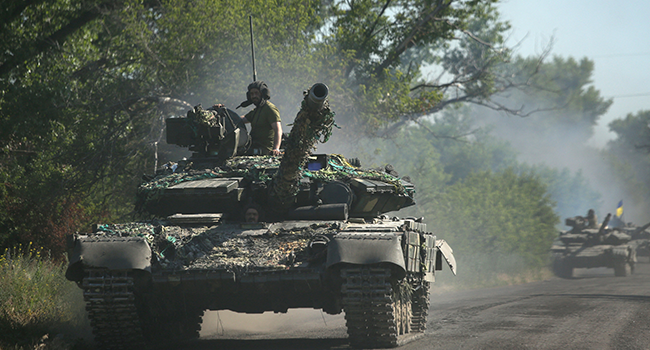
[592, 219]
[266, 125]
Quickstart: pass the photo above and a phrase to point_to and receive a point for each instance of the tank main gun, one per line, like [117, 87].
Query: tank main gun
[640, 232]
[643, 228]
[603, 226]
[313, 122]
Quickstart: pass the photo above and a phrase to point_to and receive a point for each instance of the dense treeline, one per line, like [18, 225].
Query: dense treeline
[85, 86]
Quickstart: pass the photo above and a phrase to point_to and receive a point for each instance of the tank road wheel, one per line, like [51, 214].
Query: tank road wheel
[380, 313]
[110, 302]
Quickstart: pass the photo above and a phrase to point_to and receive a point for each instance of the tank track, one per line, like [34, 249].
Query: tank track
[110, 302]
[373, 318]
[421, 304]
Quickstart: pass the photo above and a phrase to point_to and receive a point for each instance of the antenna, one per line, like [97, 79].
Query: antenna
[250, 21]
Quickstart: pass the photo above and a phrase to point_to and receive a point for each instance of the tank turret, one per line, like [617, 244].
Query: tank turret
[298, 185]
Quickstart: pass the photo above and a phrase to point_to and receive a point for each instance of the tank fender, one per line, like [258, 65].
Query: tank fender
[447, 253]
[114, 253]
[366, 248]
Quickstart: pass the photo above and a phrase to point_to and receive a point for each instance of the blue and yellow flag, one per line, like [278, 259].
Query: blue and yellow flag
[619, 209]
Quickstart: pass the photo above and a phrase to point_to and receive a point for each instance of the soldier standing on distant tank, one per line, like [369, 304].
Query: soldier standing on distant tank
[266, 126]
[592, 219]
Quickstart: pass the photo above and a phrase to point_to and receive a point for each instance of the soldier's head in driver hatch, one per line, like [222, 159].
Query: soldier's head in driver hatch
[251, 215]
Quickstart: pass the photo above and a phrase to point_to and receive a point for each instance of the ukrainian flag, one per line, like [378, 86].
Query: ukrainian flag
[619, 209]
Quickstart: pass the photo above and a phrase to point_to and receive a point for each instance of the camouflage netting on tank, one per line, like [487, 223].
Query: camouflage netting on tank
[338, 168]
[198, 115]
[256, 168]
[134, 229]
[226, 246]
[261, 168]
[309, 126]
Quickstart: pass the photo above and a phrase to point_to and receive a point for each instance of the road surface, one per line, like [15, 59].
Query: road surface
[594, 310]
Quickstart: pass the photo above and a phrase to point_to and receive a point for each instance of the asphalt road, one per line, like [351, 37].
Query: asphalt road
[594, 310]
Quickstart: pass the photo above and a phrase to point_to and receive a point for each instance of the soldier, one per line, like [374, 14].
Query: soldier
[252, 213]
[592, 219]
[266, 126]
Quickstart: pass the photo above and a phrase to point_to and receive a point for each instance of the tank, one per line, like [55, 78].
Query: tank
[323, 239]
[584, 247]
[639, 237]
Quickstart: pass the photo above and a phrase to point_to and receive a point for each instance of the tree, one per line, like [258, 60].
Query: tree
[384, 49]
[629, 156]
[572, 193]
[498, 213]
[555, 99]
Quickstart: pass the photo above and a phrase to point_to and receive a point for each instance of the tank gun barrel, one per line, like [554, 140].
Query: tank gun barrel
[601, 230]
[640, 232]
[643, 228]
[313, 122]
[317, 95]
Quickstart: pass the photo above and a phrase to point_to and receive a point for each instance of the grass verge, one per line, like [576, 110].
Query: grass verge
[39, 308]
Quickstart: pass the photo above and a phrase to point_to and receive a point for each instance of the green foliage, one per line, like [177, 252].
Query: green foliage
[383, 45]
[466, 148]
[499, 213]
[556, 97]
[34, 296]
[475, 194]
[572, 192]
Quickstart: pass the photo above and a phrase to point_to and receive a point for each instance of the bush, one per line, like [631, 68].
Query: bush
[35, 297]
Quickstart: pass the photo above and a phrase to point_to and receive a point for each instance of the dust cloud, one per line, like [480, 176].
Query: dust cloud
[228, 324]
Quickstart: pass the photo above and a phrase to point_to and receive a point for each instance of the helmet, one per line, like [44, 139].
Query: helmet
[259, 85]
[264, 91]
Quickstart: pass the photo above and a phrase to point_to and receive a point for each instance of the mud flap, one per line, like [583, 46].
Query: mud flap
[366, 248]
[114, 253]
[447, 253]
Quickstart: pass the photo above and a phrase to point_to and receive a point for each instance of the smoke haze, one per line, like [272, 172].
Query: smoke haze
[567, 147]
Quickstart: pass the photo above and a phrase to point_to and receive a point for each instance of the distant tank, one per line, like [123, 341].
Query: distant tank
[324, 240]
[639, 237]
[583, 247]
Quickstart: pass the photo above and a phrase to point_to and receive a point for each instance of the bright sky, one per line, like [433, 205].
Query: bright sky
[613, 34]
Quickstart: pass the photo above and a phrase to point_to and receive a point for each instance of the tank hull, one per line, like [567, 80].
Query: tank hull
[255, 268]
[583, 253]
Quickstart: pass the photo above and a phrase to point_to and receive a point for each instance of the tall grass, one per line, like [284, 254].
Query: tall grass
[36, 301]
